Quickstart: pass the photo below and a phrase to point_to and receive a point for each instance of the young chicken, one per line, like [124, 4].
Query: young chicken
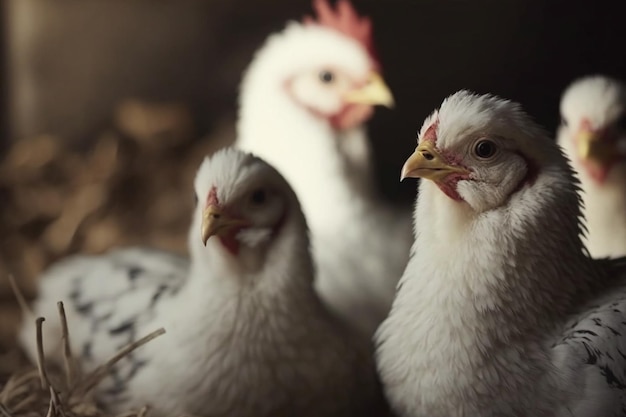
[593, 135]
[246, 334]
[500, 312]
[304, 102]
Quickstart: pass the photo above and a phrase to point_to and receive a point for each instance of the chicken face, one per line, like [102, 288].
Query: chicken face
[241, 200]
[593, 118]
[325, 66]
[342, 96]
[349, 89]
[476, 149]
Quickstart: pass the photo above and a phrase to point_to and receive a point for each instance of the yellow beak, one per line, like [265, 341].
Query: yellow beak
[374, 92]
[215, 223]
[427, 162]
[592, 147]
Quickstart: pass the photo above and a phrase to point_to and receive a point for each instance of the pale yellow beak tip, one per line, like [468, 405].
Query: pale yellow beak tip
[389, 102]
[409, 166]
[384, 92]
[205, 234]
[375, 92]
[405, 172]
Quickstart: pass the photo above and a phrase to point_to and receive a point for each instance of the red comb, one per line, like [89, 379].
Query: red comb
[431, 133]
[212, 197]
[345, 20]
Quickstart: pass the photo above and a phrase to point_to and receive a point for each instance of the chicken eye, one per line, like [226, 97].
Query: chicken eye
[258, 197]
[326, 76]
[563, 121]
[195, 199]
[485, 149]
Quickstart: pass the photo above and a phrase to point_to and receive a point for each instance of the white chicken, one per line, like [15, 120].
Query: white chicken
[246, 333]
[593, 134]
[500, 312]
[303, 104]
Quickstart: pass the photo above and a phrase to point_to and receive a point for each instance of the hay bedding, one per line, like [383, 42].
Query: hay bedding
[131, 186]
[47, 390]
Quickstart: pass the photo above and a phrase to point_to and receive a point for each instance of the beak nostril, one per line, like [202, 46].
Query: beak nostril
[427, 155]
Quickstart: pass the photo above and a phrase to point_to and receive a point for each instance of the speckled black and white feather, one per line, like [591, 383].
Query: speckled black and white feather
[111, 301]
[500, 311]
[246, 334]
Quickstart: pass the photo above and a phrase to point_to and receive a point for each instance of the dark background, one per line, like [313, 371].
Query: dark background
[67, 63]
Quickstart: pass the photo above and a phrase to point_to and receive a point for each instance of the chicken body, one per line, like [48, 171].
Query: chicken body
[500, 312]
[246, 334]
[304, 101]
[593, 135]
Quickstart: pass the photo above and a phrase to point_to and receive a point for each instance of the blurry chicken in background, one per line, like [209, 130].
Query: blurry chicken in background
[304, 102]
[107, 122]
[69, 200]
[593, 134]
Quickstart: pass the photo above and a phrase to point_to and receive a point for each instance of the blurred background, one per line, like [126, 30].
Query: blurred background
[107, 106]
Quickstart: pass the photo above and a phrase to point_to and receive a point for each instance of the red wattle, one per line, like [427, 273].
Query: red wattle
[449, 184]
[230, 243]
[351, 115]
[597, 172]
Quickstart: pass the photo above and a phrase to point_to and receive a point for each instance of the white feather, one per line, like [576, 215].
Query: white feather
[601, 100]
[360, 245]
[246, 335]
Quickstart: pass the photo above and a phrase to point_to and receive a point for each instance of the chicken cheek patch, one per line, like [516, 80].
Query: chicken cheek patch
[230, 242]
[351, 115]
[449, 184]
[597, 171]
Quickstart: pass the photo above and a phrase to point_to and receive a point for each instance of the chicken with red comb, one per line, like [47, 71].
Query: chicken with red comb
[246, 333]
[500, 311]
[304, 102]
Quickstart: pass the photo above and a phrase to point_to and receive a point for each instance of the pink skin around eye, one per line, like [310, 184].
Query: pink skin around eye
[350, 115]
[449, 184]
